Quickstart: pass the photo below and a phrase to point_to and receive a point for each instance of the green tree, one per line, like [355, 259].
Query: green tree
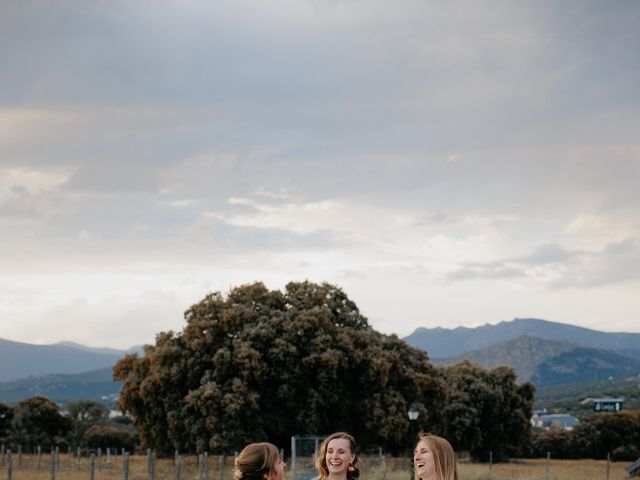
[557, 441]
[84, 415]
[38, 421]
[604, 433]
[486, 411]
[109, 437]
[263, 364]
[6, 416]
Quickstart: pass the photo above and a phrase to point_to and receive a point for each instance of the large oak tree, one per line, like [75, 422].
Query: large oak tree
[260, 364]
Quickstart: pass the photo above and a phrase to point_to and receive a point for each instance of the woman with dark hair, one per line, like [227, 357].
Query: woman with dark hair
[434, 459]
[259, 461]
[337, 457]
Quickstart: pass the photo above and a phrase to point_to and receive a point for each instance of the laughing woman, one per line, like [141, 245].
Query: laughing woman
[337, 457]
[434, 459]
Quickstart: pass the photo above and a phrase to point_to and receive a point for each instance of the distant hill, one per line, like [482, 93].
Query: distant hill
[106, 351]
[444, 342]
[551, 362]
[523, 354]
[93, 385]
[584, 364]
[20, 360]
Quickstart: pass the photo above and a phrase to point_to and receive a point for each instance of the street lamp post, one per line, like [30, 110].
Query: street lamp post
[413, 413]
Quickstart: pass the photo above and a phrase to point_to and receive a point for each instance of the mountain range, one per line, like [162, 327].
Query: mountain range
[444, 342]
[545, 353]
[20, 360]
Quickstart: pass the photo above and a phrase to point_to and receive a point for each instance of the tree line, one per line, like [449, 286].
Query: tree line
[39, 422]
[599, 435]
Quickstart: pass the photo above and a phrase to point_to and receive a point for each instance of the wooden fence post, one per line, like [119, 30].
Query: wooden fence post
[125, 465]
[108, 456]
[206, 466]
[608, 464]
[99, 458]
[19, 456]
[78, 455]
[178, 462]
[57, 458]
[92, 466]
[2, 452]
[52, 467]
[221, 466]
[152, 465]
[38, 456]
[9, 466]
[546, 465]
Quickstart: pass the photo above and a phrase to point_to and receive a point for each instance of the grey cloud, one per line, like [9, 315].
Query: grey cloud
[350, 71]
[363, 102]
[113, 178]
[617, 262]
[547, 254]
[20, 203]
[491, 271]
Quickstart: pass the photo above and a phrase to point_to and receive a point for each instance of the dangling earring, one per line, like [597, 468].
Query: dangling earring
[351, 468]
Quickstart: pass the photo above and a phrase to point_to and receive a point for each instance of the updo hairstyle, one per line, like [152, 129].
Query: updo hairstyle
[255, 461]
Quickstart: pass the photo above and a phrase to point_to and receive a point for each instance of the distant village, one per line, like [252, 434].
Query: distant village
[543, 419]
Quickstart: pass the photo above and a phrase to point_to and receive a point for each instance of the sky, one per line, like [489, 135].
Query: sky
[446, 163]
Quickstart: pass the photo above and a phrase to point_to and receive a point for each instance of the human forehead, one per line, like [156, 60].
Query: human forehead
[339, 444]
[422, 445]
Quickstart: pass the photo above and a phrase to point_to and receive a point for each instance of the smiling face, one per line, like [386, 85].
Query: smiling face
[339, 456]
[423, 461]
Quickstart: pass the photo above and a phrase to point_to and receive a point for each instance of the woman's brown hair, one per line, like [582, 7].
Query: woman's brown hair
[444, 457]
[321, 456]
[255, 461]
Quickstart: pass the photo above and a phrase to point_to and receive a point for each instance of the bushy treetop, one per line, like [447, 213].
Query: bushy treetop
[263, 364]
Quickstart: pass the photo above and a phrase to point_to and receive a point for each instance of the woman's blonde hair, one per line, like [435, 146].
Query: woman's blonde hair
[444, 458]
[321, 456]
[256, 460]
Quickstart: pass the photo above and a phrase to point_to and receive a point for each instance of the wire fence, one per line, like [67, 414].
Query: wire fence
[109, 464]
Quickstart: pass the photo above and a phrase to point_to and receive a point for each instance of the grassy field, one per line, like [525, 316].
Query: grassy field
[372, 469]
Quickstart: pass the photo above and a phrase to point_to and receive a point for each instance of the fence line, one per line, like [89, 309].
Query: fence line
[200, 467]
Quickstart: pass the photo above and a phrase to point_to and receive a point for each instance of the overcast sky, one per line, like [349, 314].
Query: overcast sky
[445, 162]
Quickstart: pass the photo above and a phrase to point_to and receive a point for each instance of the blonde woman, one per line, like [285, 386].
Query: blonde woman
[434, 459]
[259, 461]
[337, 457]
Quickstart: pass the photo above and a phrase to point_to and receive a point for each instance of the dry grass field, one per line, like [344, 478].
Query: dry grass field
[372, 469]
[528, 469]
